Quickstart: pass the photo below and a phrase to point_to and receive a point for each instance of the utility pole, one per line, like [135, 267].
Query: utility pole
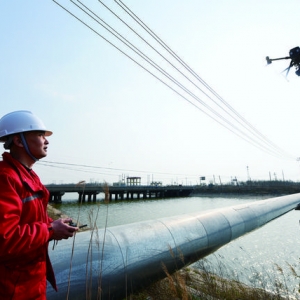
[298, 159]
[248, 174]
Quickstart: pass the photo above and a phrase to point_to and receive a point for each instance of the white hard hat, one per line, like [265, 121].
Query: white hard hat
[20, 121]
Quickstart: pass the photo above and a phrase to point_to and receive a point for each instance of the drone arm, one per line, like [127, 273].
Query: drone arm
[269, 60]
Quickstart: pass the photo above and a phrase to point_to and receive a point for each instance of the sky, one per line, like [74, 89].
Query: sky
[113, 116]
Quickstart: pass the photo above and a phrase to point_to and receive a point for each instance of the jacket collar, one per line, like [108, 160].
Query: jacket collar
[27, 176]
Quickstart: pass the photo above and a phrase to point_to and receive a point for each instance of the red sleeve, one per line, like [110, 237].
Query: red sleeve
[16, 236]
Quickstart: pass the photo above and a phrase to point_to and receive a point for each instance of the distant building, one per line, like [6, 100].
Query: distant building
[156, 183]
[133, 180]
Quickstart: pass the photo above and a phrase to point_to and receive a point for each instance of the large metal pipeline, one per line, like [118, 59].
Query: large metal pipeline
[111, 263]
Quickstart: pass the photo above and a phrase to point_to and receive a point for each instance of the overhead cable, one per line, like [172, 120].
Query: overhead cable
[251, 135]
[165, 46]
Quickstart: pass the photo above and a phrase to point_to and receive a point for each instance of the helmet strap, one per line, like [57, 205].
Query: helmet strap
[26, 146]
[8, 142]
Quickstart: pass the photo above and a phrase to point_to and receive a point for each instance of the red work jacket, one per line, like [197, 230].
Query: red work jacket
[24, 233]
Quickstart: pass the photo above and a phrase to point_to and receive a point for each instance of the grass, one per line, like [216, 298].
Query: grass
[191, 284]
[201, 283]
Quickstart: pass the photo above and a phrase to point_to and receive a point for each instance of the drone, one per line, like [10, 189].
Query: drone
[295, 60]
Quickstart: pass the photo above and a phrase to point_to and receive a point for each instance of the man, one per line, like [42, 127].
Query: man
[25, 228]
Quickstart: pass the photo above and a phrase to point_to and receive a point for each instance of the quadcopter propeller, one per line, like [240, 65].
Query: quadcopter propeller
[288, 68]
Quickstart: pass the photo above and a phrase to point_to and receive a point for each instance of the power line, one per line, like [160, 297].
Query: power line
[170, 77]
[262, 143]
[180, 85]
[185, 98]
[52, 163]
[165, 46]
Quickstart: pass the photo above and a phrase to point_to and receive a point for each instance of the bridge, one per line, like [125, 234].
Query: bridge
[89, 191]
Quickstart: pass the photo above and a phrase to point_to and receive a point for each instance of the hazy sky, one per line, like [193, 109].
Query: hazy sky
[112, 118]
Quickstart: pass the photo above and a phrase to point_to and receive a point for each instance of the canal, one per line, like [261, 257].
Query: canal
[252, 259]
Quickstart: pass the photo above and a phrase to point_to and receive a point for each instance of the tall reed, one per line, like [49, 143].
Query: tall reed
[80, 184]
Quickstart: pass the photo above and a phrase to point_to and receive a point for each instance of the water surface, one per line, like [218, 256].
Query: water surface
[253, 259]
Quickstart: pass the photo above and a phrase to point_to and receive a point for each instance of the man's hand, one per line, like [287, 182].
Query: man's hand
[62, 229]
